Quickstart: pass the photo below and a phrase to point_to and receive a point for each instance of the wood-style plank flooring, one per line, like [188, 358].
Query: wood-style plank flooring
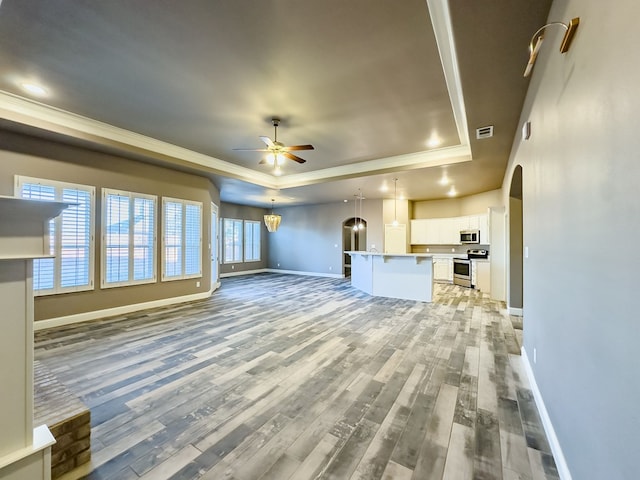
[286, 377]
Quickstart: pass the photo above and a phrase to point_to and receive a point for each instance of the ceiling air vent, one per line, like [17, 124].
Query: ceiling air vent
[484, 132]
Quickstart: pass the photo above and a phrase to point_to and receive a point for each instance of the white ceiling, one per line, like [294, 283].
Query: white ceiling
[368, 83]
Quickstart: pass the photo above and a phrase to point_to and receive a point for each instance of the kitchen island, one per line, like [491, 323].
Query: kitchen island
[407, 276]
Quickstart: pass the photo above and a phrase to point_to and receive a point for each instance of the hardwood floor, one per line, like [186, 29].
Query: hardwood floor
[286, 377]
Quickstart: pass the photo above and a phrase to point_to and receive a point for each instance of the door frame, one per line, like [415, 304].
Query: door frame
[214, 246]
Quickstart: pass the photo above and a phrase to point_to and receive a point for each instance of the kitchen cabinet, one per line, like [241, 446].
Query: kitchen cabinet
[481, 275]
[473, 222]
[450, 231]
[419, 229]
[443, 269]
[425, 231]
[446, 231]
[483, 226]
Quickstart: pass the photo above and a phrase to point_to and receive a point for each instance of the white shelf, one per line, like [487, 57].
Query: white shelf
[21, 256]
[23, 227]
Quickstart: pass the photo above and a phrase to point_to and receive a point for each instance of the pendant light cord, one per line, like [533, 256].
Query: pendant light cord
[395, 200]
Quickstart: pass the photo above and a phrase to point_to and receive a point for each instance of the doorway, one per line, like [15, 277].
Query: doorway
[354, 238]
[214, 246]
[516, 244]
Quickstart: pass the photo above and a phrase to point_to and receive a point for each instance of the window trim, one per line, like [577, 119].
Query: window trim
[224, 243]
[19, 181]
[244, 243]
[103, 248]
[183, 203]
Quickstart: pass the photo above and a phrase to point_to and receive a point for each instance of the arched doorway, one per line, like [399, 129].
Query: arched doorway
[516, 242]
[354, 238]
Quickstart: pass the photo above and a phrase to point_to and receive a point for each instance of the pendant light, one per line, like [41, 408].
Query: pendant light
[272, 221]
[395, 202]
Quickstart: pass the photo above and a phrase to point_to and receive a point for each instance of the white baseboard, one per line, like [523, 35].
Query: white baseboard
[120, 310]
[285, 272]
[244, 272]
[556, 450]
[308, 274]
[514, 311]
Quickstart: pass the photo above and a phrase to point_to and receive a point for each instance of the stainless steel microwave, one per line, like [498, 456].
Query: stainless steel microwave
[470, 236]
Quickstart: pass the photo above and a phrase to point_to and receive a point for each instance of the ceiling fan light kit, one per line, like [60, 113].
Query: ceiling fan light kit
[277, 152]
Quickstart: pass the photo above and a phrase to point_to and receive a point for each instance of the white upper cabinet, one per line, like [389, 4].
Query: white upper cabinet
[418, 232]
[483, 226]
[474, 222]
[446, 231]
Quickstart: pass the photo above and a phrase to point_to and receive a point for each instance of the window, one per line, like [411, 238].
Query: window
[70, 236]
[232, 240]
[251, 241]
[181, 239]
[128, 238]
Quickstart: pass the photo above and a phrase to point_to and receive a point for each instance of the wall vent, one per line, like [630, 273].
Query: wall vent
[484, 132]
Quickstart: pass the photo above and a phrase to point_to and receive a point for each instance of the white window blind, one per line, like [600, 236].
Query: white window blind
[192, 239]
[128, 239]
[182, 239]
[251, 241]
[70, 236]
[232, 233]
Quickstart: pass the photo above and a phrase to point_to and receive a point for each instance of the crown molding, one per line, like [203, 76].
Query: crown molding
[39, 115]
[430, 158]
[441, 21]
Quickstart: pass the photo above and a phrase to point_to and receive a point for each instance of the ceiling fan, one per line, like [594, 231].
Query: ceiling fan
[277, 151]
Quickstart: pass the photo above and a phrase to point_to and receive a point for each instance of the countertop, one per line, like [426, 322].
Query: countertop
[380, 254]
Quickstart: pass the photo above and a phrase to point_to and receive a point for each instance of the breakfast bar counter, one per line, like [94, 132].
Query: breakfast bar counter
[407, 276]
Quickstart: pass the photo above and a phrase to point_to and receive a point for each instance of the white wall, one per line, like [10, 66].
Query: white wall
[581, 218]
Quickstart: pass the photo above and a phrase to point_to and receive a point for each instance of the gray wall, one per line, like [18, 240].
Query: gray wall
[581, 224]
[23, 155]
[310, 237]
[243, 212]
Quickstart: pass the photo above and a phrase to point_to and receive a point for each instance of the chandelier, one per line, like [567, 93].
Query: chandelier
[271, 220]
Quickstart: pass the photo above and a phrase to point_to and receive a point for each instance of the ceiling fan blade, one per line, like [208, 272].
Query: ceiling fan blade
[268, 141]
[293, 157]
[298, 147]
[251, 150]
[262, 162]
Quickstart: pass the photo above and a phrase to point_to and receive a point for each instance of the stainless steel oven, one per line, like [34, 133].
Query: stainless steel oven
[462, 272]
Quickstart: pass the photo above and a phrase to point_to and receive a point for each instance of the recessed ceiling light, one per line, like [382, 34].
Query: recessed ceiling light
[384, 188]
[34, 89]
[452, 191]
[433, 142]
[444, 180]
[345, 200]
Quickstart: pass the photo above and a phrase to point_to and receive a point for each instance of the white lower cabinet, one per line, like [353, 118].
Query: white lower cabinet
[481, 275]
[443, 269]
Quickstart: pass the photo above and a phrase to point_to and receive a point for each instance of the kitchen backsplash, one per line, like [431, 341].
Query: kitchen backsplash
[459, 249]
